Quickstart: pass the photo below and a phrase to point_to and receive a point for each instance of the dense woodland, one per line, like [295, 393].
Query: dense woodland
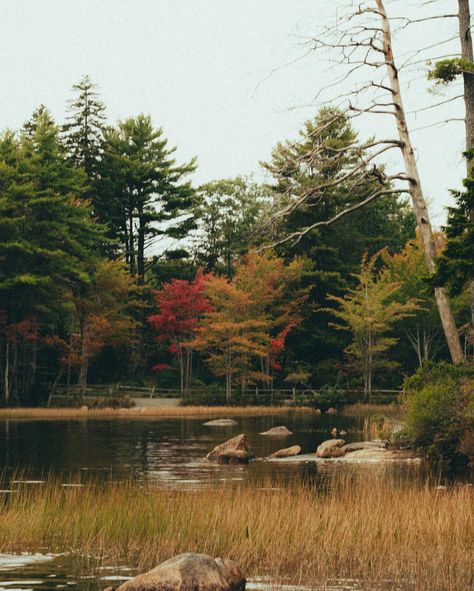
[114, 267]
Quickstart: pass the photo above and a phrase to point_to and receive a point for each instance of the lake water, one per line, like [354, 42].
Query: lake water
[164, 452]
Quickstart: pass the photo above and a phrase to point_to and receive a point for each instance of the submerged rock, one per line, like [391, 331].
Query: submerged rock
[287, 452]
[221, 423]
[332, 448]
[281, 431]
[189, 572]
[233, 451]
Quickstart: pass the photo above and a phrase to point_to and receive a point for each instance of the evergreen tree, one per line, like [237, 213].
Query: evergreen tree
[143, 192]
[84, 129]
[48, 241]
[456, 263]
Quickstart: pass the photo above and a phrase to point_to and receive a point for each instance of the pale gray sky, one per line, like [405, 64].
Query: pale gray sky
[210, 72]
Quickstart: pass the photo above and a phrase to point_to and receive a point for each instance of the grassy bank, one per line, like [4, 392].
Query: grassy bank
[362, 528]
[364, 409]
[158, 412]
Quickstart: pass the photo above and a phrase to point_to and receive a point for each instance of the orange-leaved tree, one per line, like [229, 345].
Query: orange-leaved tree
[252, 314]
[230, 333]
[105, 315]
[277, 293]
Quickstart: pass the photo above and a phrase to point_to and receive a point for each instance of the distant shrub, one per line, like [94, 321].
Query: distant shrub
[440, 410]
[112, 402]
[210, 396]
[328, 396]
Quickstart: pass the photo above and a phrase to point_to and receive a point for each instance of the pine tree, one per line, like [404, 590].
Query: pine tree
[84, 130]
[456, 263]
[143, 192]
[48, 241]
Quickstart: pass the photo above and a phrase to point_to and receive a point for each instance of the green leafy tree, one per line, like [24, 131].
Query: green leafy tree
[228, 213]
[368, 312]
[422, 328]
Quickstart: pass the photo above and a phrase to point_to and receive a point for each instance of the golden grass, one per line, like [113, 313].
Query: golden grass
[146, 412]
[368, 529]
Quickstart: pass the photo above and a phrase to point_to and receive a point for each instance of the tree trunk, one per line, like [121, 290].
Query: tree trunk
[6, 373]
[84, 363]
[141, 251]
[467, 53]
[416, 192]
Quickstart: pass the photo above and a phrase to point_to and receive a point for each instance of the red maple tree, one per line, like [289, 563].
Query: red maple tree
[180, 305]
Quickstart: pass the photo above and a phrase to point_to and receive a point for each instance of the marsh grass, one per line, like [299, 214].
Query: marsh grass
[416, 536]
[146, 412]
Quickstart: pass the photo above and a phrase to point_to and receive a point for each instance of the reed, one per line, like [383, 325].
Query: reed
[416, 537]
[145, 412]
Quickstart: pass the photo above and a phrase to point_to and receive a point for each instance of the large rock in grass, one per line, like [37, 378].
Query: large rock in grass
[280, 431]
[332, 448]
[189, 572]
[233, 451]
[221, 423]
[288, 452]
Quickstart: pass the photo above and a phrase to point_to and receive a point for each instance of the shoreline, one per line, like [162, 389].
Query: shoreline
[163, 412]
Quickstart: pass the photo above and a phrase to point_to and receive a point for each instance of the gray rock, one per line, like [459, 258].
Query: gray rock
[189, 572]
[287, 452]
[233, 451]
[332, 448]
[221, 423]
[358, 445]
[281, 431]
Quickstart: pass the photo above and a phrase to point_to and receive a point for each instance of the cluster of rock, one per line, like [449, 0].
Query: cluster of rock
[237, 451]
[189, 572]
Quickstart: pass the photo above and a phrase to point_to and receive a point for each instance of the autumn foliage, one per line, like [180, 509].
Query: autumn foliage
[239, 325]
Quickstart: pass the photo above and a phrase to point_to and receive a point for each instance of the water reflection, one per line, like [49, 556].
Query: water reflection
[170, 452]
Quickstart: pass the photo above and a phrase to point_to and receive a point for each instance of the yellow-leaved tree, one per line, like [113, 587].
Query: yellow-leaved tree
[368, 312]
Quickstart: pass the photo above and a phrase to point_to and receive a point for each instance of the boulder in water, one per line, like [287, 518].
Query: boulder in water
[332, 448]
[233, 451]
[281, 431]
[189, 572]
[287, 452]
[221, 423]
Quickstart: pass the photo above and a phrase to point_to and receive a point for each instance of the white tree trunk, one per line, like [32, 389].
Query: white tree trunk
[416, 192]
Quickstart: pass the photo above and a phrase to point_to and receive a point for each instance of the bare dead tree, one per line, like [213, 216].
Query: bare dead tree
[360, 45]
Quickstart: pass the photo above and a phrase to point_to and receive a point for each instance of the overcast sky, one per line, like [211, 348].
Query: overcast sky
[222, 77]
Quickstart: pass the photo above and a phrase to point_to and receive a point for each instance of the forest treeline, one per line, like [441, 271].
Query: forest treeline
[114, 267]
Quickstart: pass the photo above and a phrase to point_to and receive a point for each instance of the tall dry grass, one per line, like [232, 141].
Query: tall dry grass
[415, 536]
[145, 412]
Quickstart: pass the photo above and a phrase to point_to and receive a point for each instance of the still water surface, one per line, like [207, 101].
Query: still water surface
[164, 452]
